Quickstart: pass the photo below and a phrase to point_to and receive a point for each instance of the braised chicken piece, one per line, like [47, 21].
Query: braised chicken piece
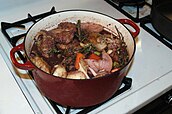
[91, 27]
[64, 33]
[68, 26]
[63, 36]
[40, 63]
[44, 43]
[79, 51]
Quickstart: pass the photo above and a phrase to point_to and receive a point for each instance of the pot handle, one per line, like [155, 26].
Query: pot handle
[25, 66]
[132, 24]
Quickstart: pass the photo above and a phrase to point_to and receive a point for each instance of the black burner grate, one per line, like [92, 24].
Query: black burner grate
[145, 23]
[19, 24]
[127, 82]
[138, 4]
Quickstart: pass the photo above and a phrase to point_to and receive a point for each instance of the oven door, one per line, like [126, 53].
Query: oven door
[161, 105]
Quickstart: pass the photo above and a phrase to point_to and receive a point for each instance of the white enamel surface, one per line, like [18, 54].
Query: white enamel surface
[151, 70]
[11, 95]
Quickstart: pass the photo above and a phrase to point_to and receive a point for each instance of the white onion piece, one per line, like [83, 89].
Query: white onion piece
[60, 71]
[92, 71]
[40, 63]
[76, 75]
[83, 68]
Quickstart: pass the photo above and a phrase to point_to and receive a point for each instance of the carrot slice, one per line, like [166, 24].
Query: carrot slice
[94, 56]
[78, 58]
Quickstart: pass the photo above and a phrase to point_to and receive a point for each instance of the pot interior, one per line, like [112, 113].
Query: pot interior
[52, 21]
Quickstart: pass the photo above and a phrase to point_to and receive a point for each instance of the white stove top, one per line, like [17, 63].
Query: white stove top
[151, 70]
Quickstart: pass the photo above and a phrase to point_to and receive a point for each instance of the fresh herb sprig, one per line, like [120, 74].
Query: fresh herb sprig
[80, 34]
[54, 50]
[88, 48]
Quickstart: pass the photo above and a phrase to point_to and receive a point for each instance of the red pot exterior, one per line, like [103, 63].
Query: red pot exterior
[72, 92]
[79, 93]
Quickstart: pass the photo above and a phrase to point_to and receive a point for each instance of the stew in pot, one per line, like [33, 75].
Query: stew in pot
[79, 50]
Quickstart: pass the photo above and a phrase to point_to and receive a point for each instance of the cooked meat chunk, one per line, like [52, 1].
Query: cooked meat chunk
[68, 26]
[74, 46]
[64, 33]
[91, 27]
[45, 43]
[63, 36]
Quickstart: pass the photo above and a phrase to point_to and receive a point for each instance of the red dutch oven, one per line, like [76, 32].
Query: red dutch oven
[75, 92]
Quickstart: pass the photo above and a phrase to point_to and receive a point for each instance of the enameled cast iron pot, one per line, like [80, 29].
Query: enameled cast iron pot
[73, 92]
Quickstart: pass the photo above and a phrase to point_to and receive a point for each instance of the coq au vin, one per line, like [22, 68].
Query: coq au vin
[79, 50]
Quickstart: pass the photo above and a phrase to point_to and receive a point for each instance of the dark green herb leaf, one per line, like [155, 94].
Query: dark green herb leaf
[80, 34]
[54, 50]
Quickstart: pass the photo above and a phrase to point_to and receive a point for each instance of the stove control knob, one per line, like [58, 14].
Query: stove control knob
[169, 99]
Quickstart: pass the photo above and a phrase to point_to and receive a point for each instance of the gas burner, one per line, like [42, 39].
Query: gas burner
[22, 26]
[134, 10]
[15, 33]
[146, 24]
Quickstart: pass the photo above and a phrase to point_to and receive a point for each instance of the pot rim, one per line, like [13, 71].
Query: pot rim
[91, 11]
